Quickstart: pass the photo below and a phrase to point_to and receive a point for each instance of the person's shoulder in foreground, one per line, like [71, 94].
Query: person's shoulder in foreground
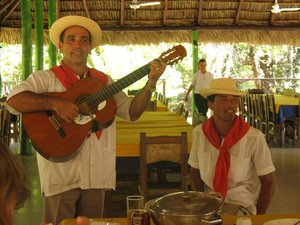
[14, 188]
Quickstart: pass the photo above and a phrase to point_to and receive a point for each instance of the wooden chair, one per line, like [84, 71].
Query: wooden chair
[243, 108]
[5, 125]
[182, 111]
[198, 118]
[273, 125]
[160, 97]
[258, 113]
[165, 101]
[256, 91]
[155, 95]
[152, 106]
[264, 115]
[179, 109]
[161, 154]
[294, 123]
[185, 113]
[250, 108]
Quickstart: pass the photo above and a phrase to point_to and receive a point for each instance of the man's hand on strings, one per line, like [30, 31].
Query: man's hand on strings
[67, 110]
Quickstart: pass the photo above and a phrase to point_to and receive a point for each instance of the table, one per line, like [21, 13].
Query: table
[160, 106]
[154, 123]
[227, 220]
[286, 107]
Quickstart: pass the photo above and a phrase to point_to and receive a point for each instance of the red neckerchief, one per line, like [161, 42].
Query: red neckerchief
[237, 131]
[68, 79]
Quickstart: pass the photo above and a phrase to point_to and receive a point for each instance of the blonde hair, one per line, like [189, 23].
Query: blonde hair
[14, 189]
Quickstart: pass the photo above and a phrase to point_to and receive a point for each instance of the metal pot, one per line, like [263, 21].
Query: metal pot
[186, 208]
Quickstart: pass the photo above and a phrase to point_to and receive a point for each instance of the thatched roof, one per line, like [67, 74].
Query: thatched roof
[217, 21]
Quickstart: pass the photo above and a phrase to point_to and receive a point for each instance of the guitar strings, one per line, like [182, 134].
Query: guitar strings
[114, 88]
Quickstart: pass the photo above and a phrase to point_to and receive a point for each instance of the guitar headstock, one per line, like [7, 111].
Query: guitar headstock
[173, 55]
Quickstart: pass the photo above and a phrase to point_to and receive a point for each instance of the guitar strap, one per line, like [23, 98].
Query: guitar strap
[68, 79]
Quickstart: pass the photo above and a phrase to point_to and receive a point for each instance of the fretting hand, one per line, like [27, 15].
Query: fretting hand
[157, 69]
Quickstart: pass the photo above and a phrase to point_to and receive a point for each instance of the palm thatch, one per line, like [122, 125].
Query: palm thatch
[217, 21]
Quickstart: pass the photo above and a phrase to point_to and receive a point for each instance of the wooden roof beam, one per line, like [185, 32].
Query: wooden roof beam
[272, 18]
[122, 12]
[4, 5]
[237, 17]
[86, 8]
[165, 12]
[8, 13]
[204, 27]
[58, 9]
[200, 11]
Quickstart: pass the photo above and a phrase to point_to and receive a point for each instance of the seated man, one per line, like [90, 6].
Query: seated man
[228, 155]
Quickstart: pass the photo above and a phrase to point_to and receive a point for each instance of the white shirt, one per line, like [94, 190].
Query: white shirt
[94, 165]
[249, 158]
[201, 80]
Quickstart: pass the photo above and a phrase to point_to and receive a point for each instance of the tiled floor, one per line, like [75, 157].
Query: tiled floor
[31, 213]
[285, 201]
[287, 194]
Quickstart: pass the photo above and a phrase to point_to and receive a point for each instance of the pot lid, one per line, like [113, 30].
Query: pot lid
[187, 203]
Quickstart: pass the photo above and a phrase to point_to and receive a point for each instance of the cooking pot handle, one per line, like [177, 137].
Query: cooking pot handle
[215, 221]
[217, 194]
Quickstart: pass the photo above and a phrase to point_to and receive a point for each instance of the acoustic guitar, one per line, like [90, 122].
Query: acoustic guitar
[58, 140]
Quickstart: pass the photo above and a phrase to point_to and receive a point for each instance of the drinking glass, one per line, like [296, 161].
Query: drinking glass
[134, 202]
[136, 214]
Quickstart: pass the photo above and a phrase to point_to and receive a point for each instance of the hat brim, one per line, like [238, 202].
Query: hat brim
[205, 92]
[68, 21]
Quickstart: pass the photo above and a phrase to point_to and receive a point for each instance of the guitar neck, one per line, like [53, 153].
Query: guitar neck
[119, 85]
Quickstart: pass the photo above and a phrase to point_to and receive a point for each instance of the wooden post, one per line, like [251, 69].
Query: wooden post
[0, 72]
[25, 146]
[195, 34]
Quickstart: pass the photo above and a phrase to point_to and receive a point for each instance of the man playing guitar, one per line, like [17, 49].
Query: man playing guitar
[77, 185]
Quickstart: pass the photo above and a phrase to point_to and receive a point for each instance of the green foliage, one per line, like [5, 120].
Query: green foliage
[238, 61]
[11, 62]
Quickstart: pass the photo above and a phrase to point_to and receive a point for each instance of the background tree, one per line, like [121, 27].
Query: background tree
[240, 61]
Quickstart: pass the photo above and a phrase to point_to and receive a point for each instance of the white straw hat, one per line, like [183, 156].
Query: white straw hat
[223, 86]
[68, 21]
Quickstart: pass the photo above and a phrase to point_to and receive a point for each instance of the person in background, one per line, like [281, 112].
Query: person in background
[201, 79]
[76, 187]
[229, 156]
